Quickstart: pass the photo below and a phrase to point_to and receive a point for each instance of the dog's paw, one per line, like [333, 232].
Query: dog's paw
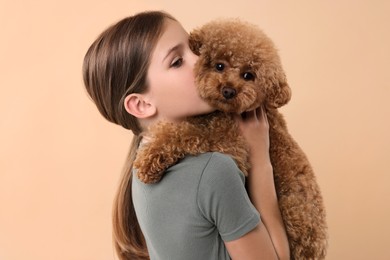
[149, 168]
[151, 164]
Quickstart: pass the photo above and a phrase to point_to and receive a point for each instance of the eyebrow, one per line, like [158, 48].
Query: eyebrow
[174, 48]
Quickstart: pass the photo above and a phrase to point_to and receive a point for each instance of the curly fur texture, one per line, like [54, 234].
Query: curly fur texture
[216, 132]
[238, 70]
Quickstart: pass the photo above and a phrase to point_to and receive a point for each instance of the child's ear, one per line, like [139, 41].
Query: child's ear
[138, 106]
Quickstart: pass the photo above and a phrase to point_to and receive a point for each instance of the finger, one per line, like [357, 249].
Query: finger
[238, 117]
[251, 115]
[259, 112]
[264, 114]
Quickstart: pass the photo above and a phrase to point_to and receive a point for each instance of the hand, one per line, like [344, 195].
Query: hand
[255, 129]
[261, 187]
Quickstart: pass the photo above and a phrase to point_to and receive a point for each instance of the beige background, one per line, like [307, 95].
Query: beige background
[60, 160]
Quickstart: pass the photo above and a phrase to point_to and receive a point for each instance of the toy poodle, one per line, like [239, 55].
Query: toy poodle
[239, 70]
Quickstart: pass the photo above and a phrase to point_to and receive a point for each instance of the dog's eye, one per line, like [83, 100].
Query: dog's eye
[248, 76]
[219, 66]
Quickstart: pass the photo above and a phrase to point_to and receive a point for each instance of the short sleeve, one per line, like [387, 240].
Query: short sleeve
[223, 199]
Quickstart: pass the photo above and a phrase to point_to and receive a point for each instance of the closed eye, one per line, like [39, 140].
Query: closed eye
[177, 62]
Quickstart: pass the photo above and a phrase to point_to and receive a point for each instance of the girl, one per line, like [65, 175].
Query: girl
[140, 71]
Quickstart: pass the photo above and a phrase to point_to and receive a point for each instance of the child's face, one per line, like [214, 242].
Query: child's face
[171, 83]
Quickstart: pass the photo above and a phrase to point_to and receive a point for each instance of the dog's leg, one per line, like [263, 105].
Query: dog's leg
[172, 142]
[299, 196]
[169, 144]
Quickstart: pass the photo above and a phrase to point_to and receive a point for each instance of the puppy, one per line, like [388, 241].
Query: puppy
[239, 70]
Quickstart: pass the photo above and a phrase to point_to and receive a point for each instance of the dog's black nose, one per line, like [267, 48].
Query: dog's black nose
[228, 92]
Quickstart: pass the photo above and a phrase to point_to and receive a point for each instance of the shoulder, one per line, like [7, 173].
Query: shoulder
[207, 164]
[223, 200]
[214, 157]
[223, 159]
[220, 175]
[221, 166]
[211, 171]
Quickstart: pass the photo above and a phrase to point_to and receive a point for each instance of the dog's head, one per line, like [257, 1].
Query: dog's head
[238, 67]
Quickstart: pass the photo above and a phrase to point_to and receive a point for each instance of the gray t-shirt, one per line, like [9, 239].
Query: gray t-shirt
[198, 204]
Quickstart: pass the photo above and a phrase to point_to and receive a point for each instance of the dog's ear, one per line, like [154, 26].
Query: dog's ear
[196, 41]
[278, 92]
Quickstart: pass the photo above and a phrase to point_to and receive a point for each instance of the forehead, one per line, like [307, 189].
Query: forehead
[173, 34]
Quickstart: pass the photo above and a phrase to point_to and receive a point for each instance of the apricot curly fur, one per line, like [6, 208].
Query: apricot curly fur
[172, 142]
[243, 48]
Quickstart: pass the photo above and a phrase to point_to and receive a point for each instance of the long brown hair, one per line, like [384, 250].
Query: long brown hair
[115, 66]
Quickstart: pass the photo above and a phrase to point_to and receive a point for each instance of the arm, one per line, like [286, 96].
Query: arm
[254, 245]
[270, 235]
